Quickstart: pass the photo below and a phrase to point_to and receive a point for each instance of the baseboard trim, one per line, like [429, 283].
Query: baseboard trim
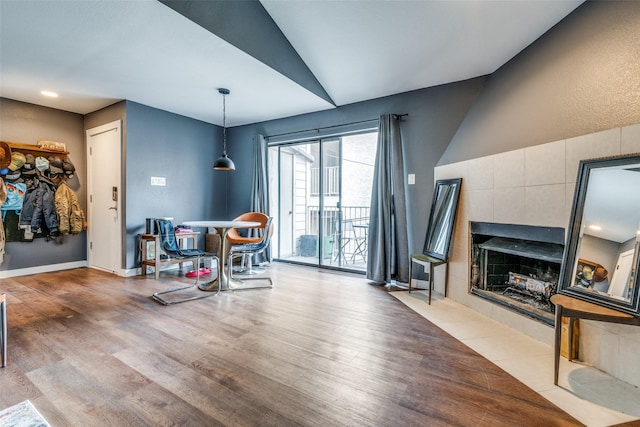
[41, 269]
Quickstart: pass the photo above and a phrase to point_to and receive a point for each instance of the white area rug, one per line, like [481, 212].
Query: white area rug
[23, 414]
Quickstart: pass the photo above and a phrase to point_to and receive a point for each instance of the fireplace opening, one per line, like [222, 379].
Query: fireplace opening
[517, 266]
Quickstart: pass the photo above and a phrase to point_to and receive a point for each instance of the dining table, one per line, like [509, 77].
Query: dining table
[223, 282]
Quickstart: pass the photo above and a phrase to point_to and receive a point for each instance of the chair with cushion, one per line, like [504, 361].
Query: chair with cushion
[235, 238]
[169, 244]
[251, 249]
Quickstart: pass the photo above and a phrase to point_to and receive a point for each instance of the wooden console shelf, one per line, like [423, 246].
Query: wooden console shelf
[573, 308]
[157, 262]
[35, 150]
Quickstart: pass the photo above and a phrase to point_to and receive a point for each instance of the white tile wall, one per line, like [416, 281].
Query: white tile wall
[535, 186]
[545, 205]
[509, 169]
[631, 139]
[545, 164]
[600, 144]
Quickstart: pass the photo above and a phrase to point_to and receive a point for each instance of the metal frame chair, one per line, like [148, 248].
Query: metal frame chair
[251, 249]
[345, 238]
[169, 245]
[234, 238]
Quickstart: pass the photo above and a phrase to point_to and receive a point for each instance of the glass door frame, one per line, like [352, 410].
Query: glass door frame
[321, 217]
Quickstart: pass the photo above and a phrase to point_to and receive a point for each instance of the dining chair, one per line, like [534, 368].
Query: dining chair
[252, 249]
[169, 244]
[235, 238]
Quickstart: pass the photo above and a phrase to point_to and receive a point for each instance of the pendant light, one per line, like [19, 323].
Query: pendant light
[224, 163]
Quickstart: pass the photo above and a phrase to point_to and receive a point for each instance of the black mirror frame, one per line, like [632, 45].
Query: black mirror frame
[455, 183]
[573, 238]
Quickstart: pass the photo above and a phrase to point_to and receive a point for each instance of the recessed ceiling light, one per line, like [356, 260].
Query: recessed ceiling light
[49, 93]
[595, 227]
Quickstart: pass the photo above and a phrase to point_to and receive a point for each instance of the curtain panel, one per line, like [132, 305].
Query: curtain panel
[388, 257]
[260, 189]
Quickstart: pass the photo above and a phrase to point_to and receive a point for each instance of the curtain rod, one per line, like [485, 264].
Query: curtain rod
[317, 130]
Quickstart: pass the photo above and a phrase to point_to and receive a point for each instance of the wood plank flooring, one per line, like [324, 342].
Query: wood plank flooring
[319, 349]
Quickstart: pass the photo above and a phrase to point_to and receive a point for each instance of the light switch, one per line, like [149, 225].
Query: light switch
[159, 180]
[411, 179]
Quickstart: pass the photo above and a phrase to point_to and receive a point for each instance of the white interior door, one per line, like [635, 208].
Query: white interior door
[104, 155]
[619, 286]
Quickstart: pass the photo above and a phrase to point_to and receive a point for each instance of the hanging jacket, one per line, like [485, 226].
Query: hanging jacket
[70, 213]
[15, 192]
[38, 207]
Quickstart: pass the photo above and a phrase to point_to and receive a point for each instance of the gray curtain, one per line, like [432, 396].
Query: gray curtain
[388, 242]
[260, 188]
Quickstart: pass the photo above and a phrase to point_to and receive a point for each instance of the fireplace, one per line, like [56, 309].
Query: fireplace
[516, 266]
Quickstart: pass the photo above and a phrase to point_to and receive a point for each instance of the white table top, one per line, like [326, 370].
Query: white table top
[222, 224]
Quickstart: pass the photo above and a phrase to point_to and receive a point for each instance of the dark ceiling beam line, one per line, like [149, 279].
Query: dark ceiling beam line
[247, 26]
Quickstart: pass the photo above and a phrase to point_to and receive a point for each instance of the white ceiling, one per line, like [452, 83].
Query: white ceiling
[94, 53]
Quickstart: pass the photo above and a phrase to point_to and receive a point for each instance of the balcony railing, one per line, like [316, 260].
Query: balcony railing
[330, 181]
[331, 216]
[345, 230]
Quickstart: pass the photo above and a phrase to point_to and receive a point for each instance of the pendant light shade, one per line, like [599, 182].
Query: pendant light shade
[224, 163]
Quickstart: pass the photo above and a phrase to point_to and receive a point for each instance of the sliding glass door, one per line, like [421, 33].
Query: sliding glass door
[321, 194]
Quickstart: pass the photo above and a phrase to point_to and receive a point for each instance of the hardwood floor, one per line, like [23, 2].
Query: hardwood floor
[319, 349]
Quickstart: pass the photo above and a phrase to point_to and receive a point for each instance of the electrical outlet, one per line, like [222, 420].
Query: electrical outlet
[159, 180]
[411, 179]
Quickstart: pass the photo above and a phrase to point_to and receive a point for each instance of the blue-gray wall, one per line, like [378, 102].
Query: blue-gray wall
[180, 149]
[434, 114]
[28, 123]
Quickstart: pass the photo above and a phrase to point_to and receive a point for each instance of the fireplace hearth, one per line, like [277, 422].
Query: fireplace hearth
[516, 266]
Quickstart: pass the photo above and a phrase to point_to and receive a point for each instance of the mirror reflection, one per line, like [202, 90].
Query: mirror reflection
[442, 218]
[604, 241]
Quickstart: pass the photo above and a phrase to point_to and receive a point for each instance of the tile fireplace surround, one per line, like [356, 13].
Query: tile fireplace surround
[535, 186]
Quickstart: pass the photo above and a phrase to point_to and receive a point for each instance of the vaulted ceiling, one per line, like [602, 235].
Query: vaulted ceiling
[278, 58]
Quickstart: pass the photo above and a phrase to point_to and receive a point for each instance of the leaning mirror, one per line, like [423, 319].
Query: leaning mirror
[442, 218]
[601, 256]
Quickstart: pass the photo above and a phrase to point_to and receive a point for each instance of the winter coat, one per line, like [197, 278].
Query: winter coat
[38, 207]
[69, 211]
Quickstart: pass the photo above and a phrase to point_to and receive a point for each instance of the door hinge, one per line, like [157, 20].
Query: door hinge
[90, 245]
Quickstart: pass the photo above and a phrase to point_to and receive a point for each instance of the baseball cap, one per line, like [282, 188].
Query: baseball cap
[17, 160]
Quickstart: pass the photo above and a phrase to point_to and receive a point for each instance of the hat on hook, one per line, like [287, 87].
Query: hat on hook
[42, 164]
[17, 160]
[68, 168]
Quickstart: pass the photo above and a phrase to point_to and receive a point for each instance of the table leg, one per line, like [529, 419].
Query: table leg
[556, 345]
[220, 283]
[223, 283]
